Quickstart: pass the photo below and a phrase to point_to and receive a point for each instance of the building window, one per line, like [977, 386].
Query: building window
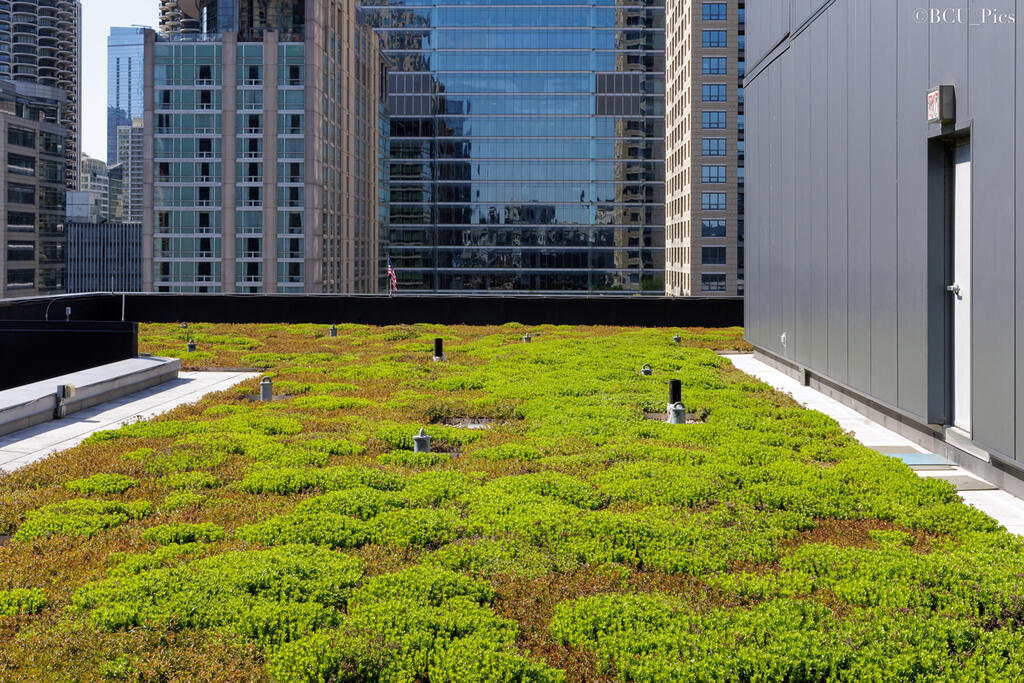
[712, 201]
[712, 256]
[715, 11]
[19, 164]
[18, 221]
[712, 282]
[712, 174]
[21, 251]
[713, 65]
[713, 147]
[713, 120]
[713, 93]
[21, 194]
[716, 39]
[21, 278]
[21, 138]
[712, 229]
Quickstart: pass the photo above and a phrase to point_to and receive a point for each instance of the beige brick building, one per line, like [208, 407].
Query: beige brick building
[261, 148]
[704, 147]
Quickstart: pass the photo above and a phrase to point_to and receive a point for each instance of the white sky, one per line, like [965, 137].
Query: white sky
[97, 18]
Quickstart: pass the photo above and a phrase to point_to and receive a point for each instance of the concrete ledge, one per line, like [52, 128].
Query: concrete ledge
[34, 403]
[1007, 476]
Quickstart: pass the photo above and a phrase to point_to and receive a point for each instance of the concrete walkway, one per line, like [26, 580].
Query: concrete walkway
[1000, 505]
[35, 443]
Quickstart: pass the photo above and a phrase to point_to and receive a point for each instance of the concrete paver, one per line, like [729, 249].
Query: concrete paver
[35, 443]
[998, 504]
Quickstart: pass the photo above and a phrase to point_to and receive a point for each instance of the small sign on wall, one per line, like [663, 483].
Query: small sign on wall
[941, 104]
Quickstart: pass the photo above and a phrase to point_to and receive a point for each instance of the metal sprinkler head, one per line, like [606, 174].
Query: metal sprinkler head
[647, 371]
[677, 339]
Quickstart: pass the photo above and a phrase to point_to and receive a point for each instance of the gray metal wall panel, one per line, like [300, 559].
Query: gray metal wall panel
[800, 63]
[912, 154]
[838, 245]
[884, 263]
[767, 25]
[800, 10]
[1019, 246]
[993, 218]
[856, 172]
[776, 247]
[756, 231]
[817, 36]
[947, 59]
[859, 196]
[785, 197]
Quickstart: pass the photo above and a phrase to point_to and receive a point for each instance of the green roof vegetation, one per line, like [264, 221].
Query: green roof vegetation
[555, 532]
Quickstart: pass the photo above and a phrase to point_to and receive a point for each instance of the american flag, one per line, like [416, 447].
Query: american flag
[393, 277]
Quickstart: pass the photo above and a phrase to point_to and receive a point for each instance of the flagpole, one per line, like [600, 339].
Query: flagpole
[391, 283]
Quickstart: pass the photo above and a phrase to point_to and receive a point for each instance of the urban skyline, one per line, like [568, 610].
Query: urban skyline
[520, 148]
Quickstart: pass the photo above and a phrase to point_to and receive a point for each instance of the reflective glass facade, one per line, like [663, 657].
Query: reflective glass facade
[527, 144]
[125, 74]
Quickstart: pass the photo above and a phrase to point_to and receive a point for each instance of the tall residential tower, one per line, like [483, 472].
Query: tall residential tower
[527, 144]
[32, 184]
[261, 145]
[42, 47]
[704, 148]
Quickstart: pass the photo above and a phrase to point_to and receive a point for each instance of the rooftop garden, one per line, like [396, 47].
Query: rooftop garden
[557, 530]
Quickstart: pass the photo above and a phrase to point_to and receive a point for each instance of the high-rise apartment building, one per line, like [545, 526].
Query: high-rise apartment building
[32, 180]
[179, 17]
[94, 182]
[125, 75]
[261, 145]
[527, 144]
[704, 147]
[130, 145]
[42, 46]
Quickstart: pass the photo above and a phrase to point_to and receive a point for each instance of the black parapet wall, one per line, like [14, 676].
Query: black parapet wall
[35, 350]
[383, 310]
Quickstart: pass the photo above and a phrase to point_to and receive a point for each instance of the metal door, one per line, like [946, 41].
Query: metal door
[960, 289]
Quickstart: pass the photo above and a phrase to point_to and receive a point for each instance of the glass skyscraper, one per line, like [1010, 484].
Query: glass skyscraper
[527, 144]
[125, 74]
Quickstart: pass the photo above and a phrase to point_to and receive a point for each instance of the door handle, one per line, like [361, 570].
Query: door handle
[953, 289]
